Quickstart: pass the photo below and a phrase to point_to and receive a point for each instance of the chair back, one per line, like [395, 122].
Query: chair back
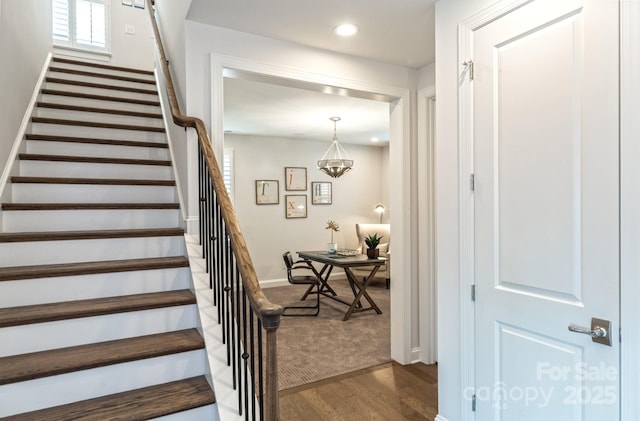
[288, 260]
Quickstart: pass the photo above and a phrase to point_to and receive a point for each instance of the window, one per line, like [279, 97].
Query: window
[81, 24]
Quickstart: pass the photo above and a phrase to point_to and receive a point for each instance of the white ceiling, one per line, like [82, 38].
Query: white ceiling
[399, 32]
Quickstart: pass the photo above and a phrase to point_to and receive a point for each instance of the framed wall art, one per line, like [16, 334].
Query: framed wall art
[296, 205]
[295, 178]
[321, 193]
[267, 192]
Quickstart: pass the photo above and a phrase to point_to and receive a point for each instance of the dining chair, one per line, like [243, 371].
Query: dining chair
[306, 278]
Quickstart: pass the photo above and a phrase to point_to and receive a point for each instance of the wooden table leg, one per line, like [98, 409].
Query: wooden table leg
[323, 281]
[362, 291]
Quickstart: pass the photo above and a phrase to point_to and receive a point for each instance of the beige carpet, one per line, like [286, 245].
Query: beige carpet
[316, 348]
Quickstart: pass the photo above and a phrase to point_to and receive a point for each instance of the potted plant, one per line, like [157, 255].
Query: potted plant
[372, 241]
[334, 227]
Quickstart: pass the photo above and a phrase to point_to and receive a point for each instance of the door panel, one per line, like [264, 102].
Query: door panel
[546, 211]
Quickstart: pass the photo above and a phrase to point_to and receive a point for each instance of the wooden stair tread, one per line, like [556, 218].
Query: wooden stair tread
[97, 124]
[134, 405]
[86, 206]
[49, 79]
[101, 75]
[102, 66]
[97, 160]
[91, 268]
[56, 106]
[35, 365]
[14, 237]
[119, 142]
[100, 181]
[99, 97]
[42, 313]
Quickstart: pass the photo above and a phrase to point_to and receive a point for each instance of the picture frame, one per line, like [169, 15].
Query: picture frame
[321, 193]
[295, 178]
[295, 205]
[267, 192]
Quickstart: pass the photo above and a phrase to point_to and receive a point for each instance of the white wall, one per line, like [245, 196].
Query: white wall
[25, 41]
[127, 50]
[449, 14]
[266, 230]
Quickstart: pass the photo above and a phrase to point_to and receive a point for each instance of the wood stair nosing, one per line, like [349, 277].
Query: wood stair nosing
[97, 141]
[101, 75]
[50, 312]
[36, 365]
[88, 206]
[92, 159]
[97, 181]
[68, 107]
[93, 181]
[134, 405]
[98, 124]
[56, 92]
[49, 79]
[21, 273]
[102, 66]
[15, 237]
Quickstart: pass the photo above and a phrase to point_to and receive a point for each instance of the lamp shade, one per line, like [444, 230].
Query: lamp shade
[335, 160]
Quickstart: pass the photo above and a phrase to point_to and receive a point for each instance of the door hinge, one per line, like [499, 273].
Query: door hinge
[472, 182]
[473, 403]
[470, 68]
[473, 292]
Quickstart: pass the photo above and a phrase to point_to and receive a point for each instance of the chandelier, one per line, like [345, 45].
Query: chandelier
[335, 161]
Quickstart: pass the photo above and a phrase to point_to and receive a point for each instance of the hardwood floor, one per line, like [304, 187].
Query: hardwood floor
[387, 392]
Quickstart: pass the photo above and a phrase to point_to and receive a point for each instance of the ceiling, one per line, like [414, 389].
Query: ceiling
[395, 32]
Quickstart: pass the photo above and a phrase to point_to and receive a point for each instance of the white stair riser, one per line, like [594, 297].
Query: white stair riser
[57, 390]
[80, 193]
[101, 71]
[80, 220]
[94, 170]
[204, 413]
[99, 103]
[75, 251]
[101, 91]
[96, 150]
[98, 117]
[101, 80]
[68, 288]
[64, 333]
[97, 132]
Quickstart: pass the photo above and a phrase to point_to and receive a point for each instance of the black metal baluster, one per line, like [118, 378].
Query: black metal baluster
[252, 346]
[260, 373]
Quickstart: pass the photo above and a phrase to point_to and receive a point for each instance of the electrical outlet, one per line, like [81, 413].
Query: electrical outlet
[129, 29]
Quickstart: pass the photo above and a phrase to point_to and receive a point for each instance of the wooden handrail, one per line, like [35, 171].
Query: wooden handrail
[266, 311]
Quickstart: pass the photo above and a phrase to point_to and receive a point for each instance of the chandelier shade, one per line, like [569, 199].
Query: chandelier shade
[335, 161]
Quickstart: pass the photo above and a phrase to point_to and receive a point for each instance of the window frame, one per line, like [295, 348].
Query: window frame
[72, 42]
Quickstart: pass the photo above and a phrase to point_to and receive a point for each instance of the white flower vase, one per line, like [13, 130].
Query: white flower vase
[332, 248]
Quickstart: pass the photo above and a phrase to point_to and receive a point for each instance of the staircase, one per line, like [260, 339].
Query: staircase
[97, 315]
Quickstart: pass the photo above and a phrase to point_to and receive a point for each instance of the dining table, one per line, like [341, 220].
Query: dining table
[358, 286]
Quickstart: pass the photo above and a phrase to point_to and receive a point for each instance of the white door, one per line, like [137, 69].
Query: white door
[546, 211]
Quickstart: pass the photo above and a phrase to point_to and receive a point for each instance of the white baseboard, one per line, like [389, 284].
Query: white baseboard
[440, 418]
[270, 283]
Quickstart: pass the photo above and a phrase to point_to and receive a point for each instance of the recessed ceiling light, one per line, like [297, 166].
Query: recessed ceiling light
[346, 29]
[375, 139]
